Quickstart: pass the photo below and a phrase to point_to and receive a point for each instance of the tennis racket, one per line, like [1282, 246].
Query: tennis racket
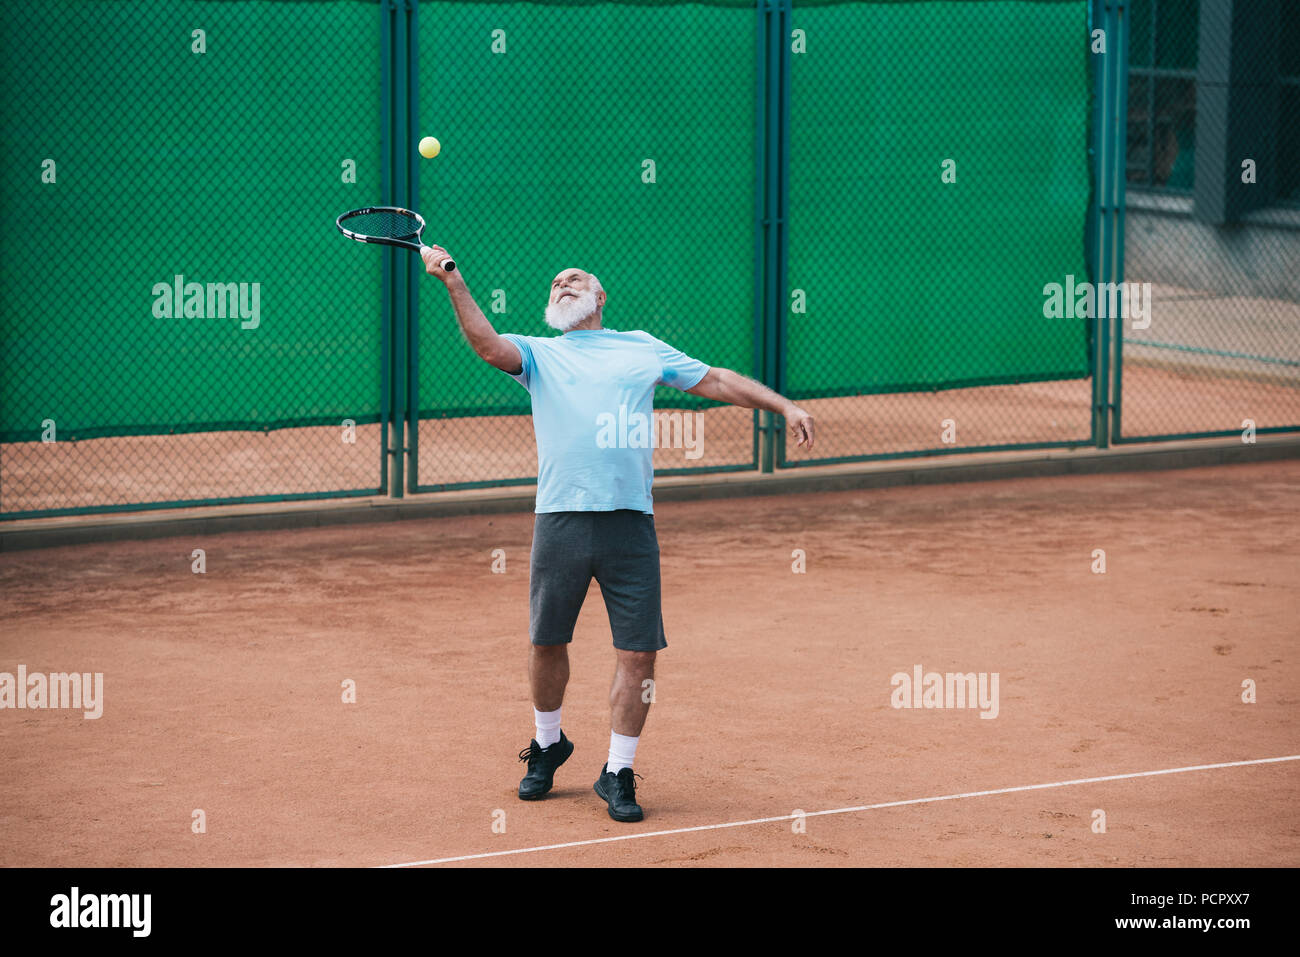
[390, 225]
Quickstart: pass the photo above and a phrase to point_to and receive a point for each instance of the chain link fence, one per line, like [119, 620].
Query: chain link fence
[617, 138]
[181, 323]
[1212, 232]
[887, 210]
[939, 180]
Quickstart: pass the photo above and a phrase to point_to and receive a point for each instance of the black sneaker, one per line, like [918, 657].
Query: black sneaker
[542, 763]
[619, 790]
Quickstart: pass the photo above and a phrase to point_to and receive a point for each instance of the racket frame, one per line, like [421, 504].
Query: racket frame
[405, 241]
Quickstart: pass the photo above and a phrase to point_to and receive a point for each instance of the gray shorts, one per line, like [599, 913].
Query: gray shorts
[620, 551]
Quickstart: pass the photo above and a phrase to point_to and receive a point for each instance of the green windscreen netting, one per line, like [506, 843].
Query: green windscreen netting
[616, 137]
[900, 281]
[221, 162]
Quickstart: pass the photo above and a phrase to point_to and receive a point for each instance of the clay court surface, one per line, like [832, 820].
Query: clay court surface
[223, 690]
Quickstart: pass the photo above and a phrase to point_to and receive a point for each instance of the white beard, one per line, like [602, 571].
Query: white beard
[567, 313]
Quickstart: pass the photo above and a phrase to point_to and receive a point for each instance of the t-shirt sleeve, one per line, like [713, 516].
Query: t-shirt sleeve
[525, 376]
[677, 368]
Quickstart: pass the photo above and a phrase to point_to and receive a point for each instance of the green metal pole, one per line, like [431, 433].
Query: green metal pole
[402, 272]
[1112, 172]
[1096, 21]
[1106, 171]
[1102, 170]
[1122, 25]
[771, 207]
[761, 445]
[782, 176]
[386, 14]
[415, 269]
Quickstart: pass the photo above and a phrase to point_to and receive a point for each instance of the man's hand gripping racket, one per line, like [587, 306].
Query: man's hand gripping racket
[394, 226]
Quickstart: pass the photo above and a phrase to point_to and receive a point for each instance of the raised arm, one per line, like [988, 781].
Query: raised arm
[723, 385]
[485, 341]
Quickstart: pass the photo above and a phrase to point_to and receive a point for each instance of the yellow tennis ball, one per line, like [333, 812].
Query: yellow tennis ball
[429, 147]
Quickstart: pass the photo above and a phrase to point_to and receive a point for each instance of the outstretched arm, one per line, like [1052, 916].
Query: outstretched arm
[491, 348]
[723, 385]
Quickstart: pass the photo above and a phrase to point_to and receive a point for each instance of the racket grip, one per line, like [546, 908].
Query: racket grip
[448, 265]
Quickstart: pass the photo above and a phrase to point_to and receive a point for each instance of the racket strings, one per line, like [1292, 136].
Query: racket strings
[385, 224]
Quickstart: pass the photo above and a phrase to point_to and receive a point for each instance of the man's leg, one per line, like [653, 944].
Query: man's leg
[558, 579]
[548, 674]
[629, 703]
[630, 694]
[627, 568]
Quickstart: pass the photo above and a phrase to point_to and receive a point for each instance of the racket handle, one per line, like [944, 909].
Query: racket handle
[448, 265]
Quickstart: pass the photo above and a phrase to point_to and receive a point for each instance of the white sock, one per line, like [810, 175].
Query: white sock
[548, 726]
[622, 751]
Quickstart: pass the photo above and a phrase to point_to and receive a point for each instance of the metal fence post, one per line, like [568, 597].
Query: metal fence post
[1111, 96]
[1100, 17]
[1120, 197]
[770, 259]
[387, 13]
[400, 271]
[781, 175]
[762, 450]
[764, 346]
[414, 264]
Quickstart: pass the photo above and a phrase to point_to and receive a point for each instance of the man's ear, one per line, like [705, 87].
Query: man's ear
[600, 299]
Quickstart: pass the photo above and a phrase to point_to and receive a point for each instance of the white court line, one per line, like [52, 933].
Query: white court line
[846, 810]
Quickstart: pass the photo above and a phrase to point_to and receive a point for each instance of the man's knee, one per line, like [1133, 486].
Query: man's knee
[637, 662]
[548, 659]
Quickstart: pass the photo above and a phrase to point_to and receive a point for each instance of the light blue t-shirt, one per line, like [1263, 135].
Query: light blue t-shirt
[593, 398]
